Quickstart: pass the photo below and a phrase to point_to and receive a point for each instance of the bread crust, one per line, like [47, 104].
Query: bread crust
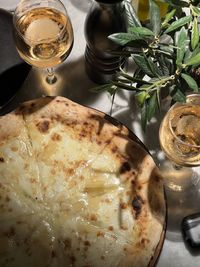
[96, 196]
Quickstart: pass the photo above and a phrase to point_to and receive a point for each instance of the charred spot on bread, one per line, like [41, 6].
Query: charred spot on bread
[125, 167]
[43, 126]
[137, 204]
[87, 183]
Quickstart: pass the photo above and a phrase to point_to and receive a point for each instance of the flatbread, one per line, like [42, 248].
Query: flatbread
[75, 190]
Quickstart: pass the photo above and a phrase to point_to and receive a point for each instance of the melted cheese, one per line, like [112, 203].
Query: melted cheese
[63, 201]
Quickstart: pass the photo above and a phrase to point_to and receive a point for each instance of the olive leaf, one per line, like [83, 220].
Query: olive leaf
[177, 95]
[155, 20]
[166, 57]
[131, 78]
[177, 3]
[142, 64]
[154, 68]
[190, 81]
[152, 106]
[196, 10]
[144, 115]
[124, 38]
[142, 31]
[163, 65]
[131, 15]
[166, 50]
[181, 42]
[168, 17]
[196, 51]
[195, 60]
[195, 34]
[179, 23]
[106, 87]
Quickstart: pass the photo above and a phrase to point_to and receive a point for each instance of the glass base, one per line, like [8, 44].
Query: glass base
[182, 188]
[178, 178]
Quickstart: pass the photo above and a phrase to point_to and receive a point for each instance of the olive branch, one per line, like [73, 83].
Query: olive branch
[166, 52]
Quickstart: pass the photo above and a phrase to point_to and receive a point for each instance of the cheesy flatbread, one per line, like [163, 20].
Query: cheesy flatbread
[75, 190]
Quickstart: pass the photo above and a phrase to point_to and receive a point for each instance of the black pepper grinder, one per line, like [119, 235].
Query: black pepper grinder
[105, 17]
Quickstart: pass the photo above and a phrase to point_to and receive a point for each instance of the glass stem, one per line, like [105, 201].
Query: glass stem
[51, 78]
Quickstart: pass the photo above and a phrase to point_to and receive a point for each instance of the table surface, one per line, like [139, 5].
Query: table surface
[74, 84]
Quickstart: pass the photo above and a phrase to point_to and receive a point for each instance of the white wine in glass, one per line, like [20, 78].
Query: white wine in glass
[43, 34]
[180, 137]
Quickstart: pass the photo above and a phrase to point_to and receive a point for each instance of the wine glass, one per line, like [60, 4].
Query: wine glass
[179, 136]
[43, 34]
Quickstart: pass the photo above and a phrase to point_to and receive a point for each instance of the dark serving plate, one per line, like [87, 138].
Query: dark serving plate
[13, 70]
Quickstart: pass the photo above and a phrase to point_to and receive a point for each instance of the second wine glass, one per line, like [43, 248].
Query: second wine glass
[180, 140]
[43, 34]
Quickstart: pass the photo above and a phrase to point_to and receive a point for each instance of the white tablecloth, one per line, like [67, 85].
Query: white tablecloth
[9, 4]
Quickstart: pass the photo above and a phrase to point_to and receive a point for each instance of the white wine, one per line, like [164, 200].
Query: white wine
[44, 37]
[180, 135]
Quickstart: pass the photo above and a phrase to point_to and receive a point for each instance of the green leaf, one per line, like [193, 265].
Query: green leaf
[131, 15]
[141, 31]
[189, 54]
[182, 45]
[101, 88]
[124, 86]
[163, 65]
[144, 116]
[159, 53]
[168, 17]
[131, 79]
[190, 81]
[144, 87]
[166, 44]
[154, 68]
[196, 51]
[178, 23]
[121, 80]
[196, 11]
[170, 65]
[195, 34]
[124, 38]
[177, 3]
[153, 80]
[195, 60]
[158, 99]
[166, 50]
[155, 19]
[177, 95]
[152, 106]
[140, 61]
[112, 90]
